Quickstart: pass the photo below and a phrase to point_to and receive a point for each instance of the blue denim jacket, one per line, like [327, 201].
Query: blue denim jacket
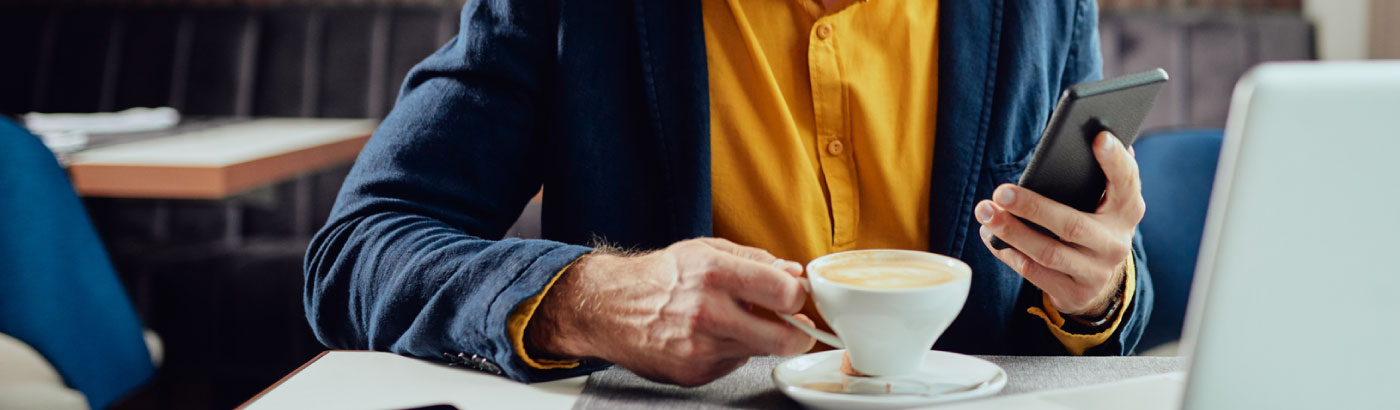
[605, 104]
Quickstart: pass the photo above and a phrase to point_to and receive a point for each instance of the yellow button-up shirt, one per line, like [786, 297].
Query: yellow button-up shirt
[822, 126]
[821, 123]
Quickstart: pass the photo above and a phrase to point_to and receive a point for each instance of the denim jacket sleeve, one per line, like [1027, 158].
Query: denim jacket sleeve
[411, 260]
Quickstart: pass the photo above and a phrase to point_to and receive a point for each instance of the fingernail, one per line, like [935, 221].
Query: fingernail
[984, 212]
[984, 233]
[1004, 195]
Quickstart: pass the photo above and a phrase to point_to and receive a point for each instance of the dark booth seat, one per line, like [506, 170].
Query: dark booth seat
[302, 61]
[219, 280]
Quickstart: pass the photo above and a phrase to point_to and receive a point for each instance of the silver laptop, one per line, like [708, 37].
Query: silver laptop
[1296, 300]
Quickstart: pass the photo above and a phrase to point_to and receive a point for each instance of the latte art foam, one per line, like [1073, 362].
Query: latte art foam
[886, 274]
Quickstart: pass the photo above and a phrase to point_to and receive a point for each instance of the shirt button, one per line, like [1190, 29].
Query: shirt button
[835, 147]
[824, 31]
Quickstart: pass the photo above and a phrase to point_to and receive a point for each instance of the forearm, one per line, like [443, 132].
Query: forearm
[413, 285]
[599, 296]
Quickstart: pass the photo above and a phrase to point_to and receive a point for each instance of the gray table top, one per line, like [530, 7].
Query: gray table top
[750, 387]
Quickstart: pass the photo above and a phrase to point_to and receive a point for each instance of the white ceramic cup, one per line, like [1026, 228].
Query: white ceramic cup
[886, 331]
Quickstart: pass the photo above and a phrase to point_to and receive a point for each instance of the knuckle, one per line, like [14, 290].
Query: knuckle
[1037, 269]
[1120, 249]
[711, 277]
[715, 266]
[1050, 256]
[697, 320]
[787, 293]
[684, 349]
[1026, 266]
[1137, 208]
[1075, 230]
[701, 317]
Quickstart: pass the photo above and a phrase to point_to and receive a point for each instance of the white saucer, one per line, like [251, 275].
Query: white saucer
[816, 381]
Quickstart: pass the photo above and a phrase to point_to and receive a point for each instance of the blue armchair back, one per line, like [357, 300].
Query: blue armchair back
[1178, 171]
[58, 291]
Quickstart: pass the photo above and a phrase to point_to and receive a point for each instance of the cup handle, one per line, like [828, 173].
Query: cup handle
[820, 335]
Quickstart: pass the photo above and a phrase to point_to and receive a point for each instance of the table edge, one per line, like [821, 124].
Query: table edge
[284, 378]
[220, 180]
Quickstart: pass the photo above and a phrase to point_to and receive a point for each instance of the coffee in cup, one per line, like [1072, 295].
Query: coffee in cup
[887, 306]
[887, 274]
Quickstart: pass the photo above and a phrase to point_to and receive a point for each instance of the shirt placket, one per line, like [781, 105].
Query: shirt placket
[828, 101]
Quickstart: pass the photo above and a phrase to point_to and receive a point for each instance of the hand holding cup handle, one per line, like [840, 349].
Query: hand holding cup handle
[821, 335]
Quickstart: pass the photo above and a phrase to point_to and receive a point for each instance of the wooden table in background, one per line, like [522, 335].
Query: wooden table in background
[219, 161]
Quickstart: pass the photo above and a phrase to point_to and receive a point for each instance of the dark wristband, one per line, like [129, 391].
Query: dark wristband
[1097, 324]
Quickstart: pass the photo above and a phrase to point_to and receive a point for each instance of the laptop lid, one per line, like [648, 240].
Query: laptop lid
[1296, 302]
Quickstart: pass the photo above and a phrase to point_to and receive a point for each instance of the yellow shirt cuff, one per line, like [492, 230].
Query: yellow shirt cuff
[1077, 344]
[520, 318]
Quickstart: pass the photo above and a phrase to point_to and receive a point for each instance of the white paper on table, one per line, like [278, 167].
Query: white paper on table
[63, 142]
[130, 120]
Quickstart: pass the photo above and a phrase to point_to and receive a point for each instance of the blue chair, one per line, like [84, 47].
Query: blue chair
[1178, 170]
[58, 291]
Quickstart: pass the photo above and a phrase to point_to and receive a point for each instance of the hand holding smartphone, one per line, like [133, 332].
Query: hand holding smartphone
[1063, 167]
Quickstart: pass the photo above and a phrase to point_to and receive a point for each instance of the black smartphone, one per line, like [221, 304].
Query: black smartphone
[1063, 167]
